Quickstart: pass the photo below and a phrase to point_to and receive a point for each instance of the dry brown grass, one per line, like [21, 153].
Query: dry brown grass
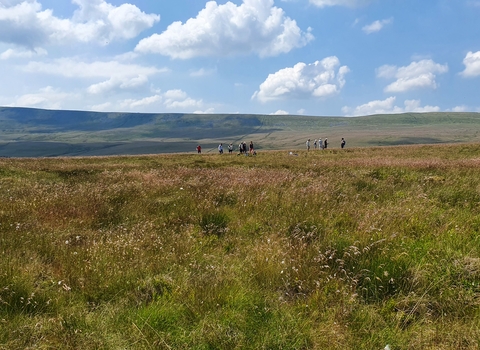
[327, 250]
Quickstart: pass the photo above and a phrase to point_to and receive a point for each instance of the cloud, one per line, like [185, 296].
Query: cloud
[462, 108]
[178, 99]
[255, 26]
[15, 53]
[116, 83]
[373, 107]
[280, 112]
[415, 107]
[202, 72]
[172, 99]
[319, 79]
[421, 74]
[207, 111]
[346, 3]
[26, 24]
[472, 65]
[376, 26]
[146, 101]
[101, 107]
[388, 106]
[74, 68]
[120, 76]
[47, 97]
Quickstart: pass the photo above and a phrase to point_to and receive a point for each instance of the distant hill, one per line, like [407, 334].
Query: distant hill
[28, 132]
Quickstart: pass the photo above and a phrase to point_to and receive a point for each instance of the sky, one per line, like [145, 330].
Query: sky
[297, 57]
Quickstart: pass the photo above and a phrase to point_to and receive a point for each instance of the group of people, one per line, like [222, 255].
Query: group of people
[323, 144]
[242, 148]
[317, 144]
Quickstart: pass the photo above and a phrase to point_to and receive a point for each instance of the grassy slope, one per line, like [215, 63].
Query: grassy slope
[33, 132]
[352, 249]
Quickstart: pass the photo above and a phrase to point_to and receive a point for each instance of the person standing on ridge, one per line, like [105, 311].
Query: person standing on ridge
[342, 144]
[325, 143]
[308, 145]
[199, 149]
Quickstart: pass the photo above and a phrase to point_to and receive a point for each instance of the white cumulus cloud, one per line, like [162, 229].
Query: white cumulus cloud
[388, 106]
[461, 108]
[26, 24]
[119, 76]
[47, 97]
[117, 83]
[73, 68]
[178, 99]
[146, 101]
[207, 111]
[416, 107]
[279, 112]
[376, 26]
[472, 64]
[421, 74]
[319, 79]
[255, 26]
[171, 99]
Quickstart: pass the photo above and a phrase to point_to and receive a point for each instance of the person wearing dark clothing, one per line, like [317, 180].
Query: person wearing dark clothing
[342, 144]
[325, 143]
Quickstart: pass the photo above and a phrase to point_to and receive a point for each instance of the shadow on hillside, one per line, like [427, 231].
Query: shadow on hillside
[62, 149]
[407, 141]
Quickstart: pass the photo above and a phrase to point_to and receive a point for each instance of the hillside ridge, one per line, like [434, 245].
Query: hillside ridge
[33, 132]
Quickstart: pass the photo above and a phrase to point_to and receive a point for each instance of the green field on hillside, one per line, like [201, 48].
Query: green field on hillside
[361, 248]
[26, 132]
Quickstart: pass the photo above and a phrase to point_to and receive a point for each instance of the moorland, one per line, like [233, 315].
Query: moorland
[361, 248]
[28, 132]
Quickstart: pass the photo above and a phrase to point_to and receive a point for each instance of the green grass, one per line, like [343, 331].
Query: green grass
[337, 249]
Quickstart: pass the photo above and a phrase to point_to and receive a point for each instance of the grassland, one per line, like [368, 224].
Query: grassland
[27, 132]
[338, 249]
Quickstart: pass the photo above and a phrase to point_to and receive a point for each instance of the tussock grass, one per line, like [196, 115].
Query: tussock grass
[335, 249]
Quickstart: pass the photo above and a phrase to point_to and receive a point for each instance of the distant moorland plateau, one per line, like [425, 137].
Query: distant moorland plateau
[28, 132]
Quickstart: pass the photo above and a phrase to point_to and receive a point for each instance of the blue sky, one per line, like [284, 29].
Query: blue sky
[299, 57]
